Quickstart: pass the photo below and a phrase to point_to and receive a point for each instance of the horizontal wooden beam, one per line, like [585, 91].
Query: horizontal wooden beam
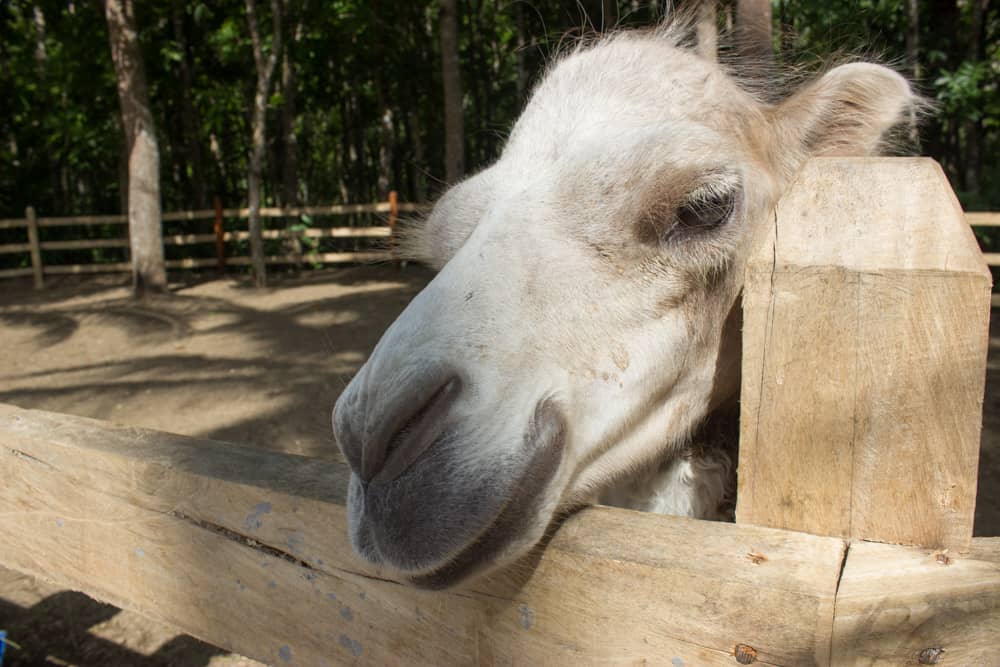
[113, 267]
[16, 273]
[84, 244]
[209, 214]
[899, 606]
[314, 233]
[983, 218]
[188, 531]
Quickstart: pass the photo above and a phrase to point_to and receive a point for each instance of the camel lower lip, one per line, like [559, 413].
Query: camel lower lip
[548, 430]
[501, 537]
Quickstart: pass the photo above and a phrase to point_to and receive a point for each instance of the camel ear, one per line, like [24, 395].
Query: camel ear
[848, 111]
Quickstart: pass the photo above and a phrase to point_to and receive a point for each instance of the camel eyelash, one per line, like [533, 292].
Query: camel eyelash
[706, 208]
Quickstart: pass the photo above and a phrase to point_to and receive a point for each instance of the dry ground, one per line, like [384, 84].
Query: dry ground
[220, 360]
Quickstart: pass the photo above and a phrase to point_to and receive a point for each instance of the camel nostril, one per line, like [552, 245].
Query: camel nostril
[415, 435]
[381, 434]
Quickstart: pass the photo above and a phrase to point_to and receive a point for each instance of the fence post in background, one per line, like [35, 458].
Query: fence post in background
[393, 209]
[36, 248]
[220, 237]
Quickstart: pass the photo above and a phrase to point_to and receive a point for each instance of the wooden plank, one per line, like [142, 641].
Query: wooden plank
[12, 223]
[865, 335]
[84, 244]
[12, 248]
[191, 263]
[983, 218]
[187, 531]
[69, 221]
[111, 267]
[36, 253]
[992, 258]
[208, 214]
[897, 605]
[16, 273]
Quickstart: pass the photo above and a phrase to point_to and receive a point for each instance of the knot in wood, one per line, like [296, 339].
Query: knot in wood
[745, 654]
[930, 656]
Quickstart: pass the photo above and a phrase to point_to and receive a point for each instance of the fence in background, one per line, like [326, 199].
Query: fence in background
[34, 245]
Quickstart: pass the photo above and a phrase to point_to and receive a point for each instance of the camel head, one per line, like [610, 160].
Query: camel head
[585, 315]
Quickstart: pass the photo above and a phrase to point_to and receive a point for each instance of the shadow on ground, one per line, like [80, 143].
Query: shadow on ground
[56, 630]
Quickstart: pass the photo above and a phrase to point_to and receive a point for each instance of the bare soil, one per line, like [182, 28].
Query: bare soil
[218, 359]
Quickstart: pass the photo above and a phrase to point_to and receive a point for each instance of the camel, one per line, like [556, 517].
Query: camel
[584, 321]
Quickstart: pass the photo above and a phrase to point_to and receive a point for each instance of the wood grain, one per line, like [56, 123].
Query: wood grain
[865, 337]
[895, 603]
[247, 550]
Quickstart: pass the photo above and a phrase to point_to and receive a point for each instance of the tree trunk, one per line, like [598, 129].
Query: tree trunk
[387, 131]
[973, 127]
[913, 59]
[289, 112]
[454, 131]
[522, 45]
[144, 220]
[189, 119]
[258, 125]
[753, 33]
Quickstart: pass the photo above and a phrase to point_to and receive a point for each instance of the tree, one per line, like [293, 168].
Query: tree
[753, 32]
[144, 220]
[258, 124]
[454, 130]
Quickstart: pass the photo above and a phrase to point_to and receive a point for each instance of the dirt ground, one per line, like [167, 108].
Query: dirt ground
[220, 360]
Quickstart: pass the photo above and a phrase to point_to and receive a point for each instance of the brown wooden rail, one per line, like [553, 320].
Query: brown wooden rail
[34, 246]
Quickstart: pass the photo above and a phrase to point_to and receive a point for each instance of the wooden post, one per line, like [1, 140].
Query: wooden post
[864, 355]
[393, 209]
[220, 237]
[36, 247]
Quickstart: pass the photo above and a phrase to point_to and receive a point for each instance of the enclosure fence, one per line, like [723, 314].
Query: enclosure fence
[34, 244]
[864, 352]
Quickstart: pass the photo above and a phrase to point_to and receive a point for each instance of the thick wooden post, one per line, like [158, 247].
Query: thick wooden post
[220, 237]
[36, 247]
[865, 336]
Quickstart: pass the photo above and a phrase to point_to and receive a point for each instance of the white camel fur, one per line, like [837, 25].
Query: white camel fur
[585, 318]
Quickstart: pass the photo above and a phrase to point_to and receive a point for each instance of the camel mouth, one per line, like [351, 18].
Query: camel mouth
[477, 525]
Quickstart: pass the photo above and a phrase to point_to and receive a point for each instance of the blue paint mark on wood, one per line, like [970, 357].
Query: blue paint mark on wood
[676, 661]
[350, 644]
[362, 595]
[346, 613]
[272, 584]
[527, 616]
[59, 522]
[295, 542]
[139, 552]
[285, 653]
[254, 520]
[331, 596]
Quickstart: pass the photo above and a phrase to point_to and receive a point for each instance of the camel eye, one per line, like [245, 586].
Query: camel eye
[705, 210]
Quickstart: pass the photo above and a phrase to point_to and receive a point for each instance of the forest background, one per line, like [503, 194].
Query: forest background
[357, 101]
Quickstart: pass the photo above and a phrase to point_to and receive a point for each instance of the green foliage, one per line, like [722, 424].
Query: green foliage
[61, 141]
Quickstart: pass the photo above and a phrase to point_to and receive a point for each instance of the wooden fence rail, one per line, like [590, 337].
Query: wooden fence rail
[35, 246]
[188, 531]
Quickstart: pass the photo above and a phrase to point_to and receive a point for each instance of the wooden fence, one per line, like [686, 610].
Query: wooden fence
[862, 386]
[35, 244]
